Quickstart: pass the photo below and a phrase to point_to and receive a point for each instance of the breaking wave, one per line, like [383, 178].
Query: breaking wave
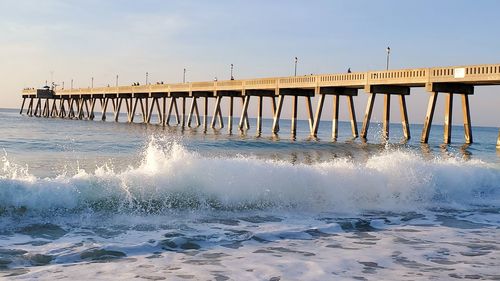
[171, 177]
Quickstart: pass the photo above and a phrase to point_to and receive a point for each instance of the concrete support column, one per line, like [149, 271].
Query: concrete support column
[467, 121]
[117, 109]
[317, 116]
[352, 113]
[245, 116]
[176, 108]
[92, 107]
[128, 106]
[230, 117]
[294, 115]
[22, 106]
[146, 110]
[129, 103]
[183, 117]
[143, 112]
[30, 108]
[259, 116]
[150, 111]
[244, 112]
[197, 112]
[170, 108]
[273, 101]
[132, 114]
[216, 113]
[80, 103]
[38, 108]
[277, 114]
[404, 117]
[387, 116]
[431, 106]
[103, 108]
[45, 110]
[205, 114]
[310, 114]
[368, 115]
[448, 114]
[164, 111]
[87, 109]
[335, 117]
[191, 110]
[62, 111]
[54, 112]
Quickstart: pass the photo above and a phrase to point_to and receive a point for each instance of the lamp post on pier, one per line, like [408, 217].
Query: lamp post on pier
[147, 75]
[71, 84]
[388, 56]
[232, 77]
[116, 80]
[184, 76]
[92, 83]
[295, 71]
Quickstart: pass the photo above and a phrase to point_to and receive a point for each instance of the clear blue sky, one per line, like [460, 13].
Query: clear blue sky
[81, 39]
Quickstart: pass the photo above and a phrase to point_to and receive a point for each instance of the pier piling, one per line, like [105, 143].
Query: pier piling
[259, 115]
[230, 116]
[217, 114]
[22, 105]
[336, 92]
[205, 114]
[451, 89]
[277, 115]
[260, 94]
[448, 114]
[295, 93]
[387, 91]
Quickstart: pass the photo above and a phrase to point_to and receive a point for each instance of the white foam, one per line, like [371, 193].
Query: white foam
[169, 176]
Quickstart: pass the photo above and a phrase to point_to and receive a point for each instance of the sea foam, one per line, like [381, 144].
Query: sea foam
[171, 177]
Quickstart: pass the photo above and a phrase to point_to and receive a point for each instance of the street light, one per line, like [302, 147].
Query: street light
[232, 77]
[147, 74]
[184, 76]
[388, 55]
[116, 80]
[296, 60]
[92, 83]
[63, 85]
[71, 84]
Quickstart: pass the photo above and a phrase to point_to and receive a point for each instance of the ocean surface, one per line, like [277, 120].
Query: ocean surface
[93, 200]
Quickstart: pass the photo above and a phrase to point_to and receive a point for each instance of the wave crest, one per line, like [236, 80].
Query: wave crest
[171, 177]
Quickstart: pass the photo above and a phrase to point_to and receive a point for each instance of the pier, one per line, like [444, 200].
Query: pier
[450, 82]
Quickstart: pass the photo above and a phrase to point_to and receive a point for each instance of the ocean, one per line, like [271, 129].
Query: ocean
[93, 200]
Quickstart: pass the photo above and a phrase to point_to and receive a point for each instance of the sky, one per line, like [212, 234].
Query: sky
[74, 39]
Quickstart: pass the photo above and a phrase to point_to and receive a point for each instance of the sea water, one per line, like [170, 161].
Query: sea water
[93, 200]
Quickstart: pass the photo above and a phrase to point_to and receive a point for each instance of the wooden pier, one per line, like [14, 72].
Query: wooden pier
[156, 98]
